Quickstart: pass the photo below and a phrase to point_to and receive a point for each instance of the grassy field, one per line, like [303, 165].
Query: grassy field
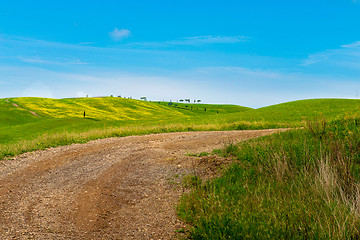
[299, 184]
[61, 121]
[298, 112]
[200, 108]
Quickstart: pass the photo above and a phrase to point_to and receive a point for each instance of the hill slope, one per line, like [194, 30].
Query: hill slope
[109, 108]
[107, 116]
[329, 108]
[296, 112]
[61, 121]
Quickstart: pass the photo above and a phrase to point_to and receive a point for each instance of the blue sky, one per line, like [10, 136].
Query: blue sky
[251, 53]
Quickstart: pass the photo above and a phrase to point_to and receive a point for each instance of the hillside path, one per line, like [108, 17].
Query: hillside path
[117, 188]
[17, 106]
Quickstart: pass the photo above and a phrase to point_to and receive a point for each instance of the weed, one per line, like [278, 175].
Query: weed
[202, 154]
[191, 181]
[229, 150]
[180, 230]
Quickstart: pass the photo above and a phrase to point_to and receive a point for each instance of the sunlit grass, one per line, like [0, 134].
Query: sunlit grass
[106, 108]
[63, 137]
[64, 117]
[299, 184]
[96, 108]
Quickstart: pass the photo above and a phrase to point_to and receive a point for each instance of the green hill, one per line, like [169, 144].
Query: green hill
[33, 123]
[110, 108]
[208, 108]
[302, 109]
[296, 112]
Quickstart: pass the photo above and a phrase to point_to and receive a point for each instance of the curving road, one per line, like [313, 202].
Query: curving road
[118, 188]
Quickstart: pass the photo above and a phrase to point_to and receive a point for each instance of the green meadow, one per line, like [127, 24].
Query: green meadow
[61, 121]
[300, 184]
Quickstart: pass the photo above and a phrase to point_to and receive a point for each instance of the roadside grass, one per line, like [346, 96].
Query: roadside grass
[299, 184]
[43, 134]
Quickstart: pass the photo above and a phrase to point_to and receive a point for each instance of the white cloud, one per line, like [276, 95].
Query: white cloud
[346, 56]
[352, 45]
[32, 60]
[81, 94]
[316, 58]
[257, 87]
[197, 40]
[31, 42]
[209, 40]
[58, 61]
[120, 34]
[235, 85]
[86, 43]
[38, 90]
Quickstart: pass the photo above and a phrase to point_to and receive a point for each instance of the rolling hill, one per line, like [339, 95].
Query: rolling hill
[43, 122]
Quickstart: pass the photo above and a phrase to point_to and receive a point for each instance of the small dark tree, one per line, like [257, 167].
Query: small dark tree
[198, 100]
[143, 98]
[181, 100]
[187, 100]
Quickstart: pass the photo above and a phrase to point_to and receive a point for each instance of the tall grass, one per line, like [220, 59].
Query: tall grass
[63, 137]
[300, 184]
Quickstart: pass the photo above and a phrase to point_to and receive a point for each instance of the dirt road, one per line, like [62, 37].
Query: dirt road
[118, 188]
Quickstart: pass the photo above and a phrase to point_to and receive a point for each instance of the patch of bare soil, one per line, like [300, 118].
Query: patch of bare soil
[118, 188]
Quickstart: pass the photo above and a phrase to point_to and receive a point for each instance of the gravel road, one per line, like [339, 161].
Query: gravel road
[117, 188]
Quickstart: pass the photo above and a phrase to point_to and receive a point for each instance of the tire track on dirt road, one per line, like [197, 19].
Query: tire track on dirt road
[115, 188]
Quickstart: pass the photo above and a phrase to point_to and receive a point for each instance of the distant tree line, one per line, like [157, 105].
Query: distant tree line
[188, 100]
